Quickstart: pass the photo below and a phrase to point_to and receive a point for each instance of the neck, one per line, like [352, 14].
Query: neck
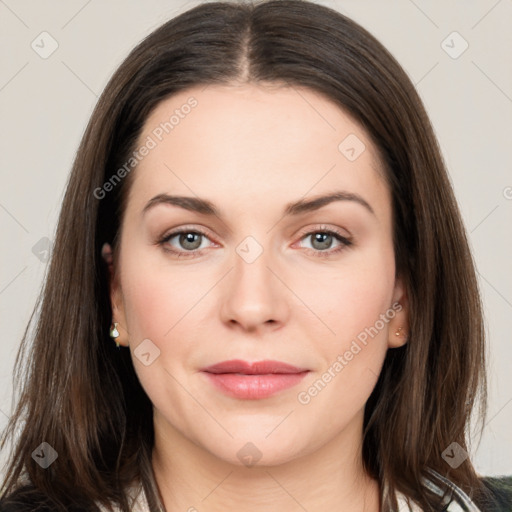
[331, 478]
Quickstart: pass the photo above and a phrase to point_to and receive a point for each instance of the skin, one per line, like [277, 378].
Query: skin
[251, 150]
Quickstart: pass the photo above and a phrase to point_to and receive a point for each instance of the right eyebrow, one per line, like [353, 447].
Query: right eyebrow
[193, 204]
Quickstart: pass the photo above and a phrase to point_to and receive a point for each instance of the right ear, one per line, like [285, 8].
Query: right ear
[116, 296]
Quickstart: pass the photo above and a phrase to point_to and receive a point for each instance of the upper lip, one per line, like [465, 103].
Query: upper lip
[255, 368]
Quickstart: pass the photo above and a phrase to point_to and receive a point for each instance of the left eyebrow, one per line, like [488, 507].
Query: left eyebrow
[316, 203]
[205, 207]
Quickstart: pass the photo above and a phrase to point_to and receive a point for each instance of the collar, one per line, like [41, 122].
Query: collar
[461, 502]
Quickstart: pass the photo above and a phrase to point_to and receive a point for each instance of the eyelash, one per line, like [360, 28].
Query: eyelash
[345, 242]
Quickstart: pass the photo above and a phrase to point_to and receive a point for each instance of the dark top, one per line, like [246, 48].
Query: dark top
[501, 490]
[500, 500]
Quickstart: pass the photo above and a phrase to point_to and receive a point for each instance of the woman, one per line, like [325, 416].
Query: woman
[260, 278]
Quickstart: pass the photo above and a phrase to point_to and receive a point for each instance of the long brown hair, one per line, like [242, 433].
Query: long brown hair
[81, 395]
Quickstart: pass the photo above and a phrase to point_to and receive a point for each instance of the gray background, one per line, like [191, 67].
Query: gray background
[46, 102]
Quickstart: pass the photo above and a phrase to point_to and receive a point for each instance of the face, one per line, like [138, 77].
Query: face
[228, 253]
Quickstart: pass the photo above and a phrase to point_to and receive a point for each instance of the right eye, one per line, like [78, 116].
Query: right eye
[184, 242]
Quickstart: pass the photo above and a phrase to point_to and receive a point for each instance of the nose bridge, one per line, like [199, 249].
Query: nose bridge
[251, 265]
[251, 274]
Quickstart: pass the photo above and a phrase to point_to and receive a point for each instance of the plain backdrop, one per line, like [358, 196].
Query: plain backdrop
[457, 53]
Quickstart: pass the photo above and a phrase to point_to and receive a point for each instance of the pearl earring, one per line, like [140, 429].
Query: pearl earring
[114, 333]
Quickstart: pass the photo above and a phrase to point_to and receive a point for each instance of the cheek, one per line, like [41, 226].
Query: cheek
[357, 307]
[158, 307]
[156, 300]
[352, 296]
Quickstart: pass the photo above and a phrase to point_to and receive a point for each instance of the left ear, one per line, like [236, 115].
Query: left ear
[398, 332]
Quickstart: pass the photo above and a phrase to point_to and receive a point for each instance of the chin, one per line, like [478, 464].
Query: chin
[256, 451]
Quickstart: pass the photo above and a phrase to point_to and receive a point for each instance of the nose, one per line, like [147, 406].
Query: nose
[254, 299]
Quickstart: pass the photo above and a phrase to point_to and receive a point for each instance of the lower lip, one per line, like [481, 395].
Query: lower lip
[254, 387]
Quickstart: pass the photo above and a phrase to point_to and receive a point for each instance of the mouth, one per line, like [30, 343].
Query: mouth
[253, 381]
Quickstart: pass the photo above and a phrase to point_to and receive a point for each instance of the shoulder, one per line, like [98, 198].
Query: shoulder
[499, 494]
[28, 499]
[23, 499]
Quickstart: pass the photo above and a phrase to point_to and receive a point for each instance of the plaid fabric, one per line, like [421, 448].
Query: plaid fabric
[461, 501]
[498, 500]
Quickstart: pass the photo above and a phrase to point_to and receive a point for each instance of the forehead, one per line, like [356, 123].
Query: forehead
[239, 142]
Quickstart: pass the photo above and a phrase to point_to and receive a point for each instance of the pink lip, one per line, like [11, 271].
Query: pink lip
[253, 381]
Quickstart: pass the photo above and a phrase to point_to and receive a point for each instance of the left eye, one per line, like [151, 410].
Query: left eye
[323, 240]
